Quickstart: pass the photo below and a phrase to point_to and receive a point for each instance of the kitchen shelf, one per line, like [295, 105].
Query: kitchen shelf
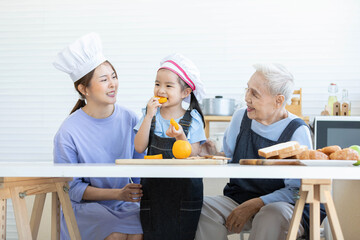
[210, 118]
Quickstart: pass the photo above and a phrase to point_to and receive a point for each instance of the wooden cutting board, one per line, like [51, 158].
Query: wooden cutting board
[270, 162]
[170, 162]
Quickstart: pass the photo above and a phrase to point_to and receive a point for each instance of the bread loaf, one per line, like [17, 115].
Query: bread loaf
[278, 149]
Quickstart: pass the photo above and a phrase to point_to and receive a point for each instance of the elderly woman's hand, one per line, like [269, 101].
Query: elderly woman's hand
[209, 148]
[241, 214]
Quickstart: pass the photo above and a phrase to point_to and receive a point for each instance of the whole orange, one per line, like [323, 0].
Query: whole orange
[181, 149]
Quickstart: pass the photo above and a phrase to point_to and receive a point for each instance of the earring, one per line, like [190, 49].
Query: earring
[87, 94]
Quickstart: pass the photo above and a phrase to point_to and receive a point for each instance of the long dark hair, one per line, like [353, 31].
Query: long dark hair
[85, 81]
[194, 104]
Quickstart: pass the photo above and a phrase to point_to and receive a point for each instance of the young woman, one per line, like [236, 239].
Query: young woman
[98, 131]
[170, 208]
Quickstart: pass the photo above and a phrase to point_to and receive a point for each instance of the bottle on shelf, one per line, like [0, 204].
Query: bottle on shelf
[345, 103]
[332, 90]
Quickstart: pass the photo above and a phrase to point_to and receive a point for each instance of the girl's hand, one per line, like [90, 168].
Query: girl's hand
[131, 193]
[178, 134]
[152, 106]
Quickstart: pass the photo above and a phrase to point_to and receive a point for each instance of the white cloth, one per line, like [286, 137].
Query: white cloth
[187, 71]
[271, 222]
[81, 56]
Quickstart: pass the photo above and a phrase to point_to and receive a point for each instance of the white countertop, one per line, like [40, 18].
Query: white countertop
[48, 169]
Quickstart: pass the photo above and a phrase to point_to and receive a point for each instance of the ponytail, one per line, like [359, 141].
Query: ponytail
[79, 104]
[194, 104]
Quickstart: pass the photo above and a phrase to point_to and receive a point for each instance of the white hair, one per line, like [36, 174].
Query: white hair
[280, 80]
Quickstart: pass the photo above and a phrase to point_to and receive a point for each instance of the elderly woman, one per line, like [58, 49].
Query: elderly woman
[263, 205]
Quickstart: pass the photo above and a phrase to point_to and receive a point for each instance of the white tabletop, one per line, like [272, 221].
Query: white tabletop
[48, 169]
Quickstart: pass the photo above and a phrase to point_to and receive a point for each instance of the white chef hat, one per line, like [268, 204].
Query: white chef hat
[81, 56]
[187, 71]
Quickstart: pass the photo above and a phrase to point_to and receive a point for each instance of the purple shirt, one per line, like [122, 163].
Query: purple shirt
[84, 139]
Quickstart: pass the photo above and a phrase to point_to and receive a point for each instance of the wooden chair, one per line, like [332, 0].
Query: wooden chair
[17, 188]
[296, 105]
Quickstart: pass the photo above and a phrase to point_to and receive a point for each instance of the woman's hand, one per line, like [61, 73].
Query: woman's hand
[178, 134]
[152, 107]
[131, 193]
[242, 213]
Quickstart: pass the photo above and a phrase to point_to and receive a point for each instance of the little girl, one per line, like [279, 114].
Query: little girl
[170, 208]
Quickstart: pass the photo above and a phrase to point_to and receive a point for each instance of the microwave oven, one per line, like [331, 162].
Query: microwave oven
[336, 130]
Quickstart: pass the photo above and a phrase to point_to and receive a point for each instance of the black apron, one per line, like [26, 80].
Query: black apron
[247, 145]
[170, 207]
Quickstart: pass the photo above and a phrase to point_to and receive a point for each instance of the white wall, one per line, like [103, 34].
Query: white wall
[319, 41]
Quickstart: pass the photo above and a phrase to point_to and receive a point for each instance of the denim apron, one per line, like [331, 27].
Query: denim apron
[247, 145]
[170, 207]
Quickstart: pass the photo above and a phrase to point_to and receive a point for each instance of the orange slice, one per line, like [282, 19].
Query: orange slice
[174, 123]
[162, 99]
[158, 156]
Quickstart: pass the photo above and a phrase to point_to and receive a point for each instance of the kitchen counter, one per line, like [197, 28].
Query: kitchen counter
[313, 181]
[49, 169]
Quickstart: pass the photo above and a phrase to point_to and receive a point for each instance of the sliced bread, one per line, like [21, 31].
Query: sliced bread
[278, 149]
[287, 154]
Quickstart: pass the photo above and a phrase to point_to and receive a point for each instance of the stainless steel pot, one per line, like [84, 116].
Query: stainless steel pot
[218, 106]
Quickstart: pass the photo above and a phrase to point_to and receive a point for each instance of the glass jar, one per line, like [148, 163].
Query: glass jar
[345, 103]
[332, 90]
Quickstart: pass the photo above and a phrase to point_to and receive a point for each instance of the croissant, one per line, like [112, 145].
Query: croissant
[330, 149]
[313, 155]
[345, 154]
